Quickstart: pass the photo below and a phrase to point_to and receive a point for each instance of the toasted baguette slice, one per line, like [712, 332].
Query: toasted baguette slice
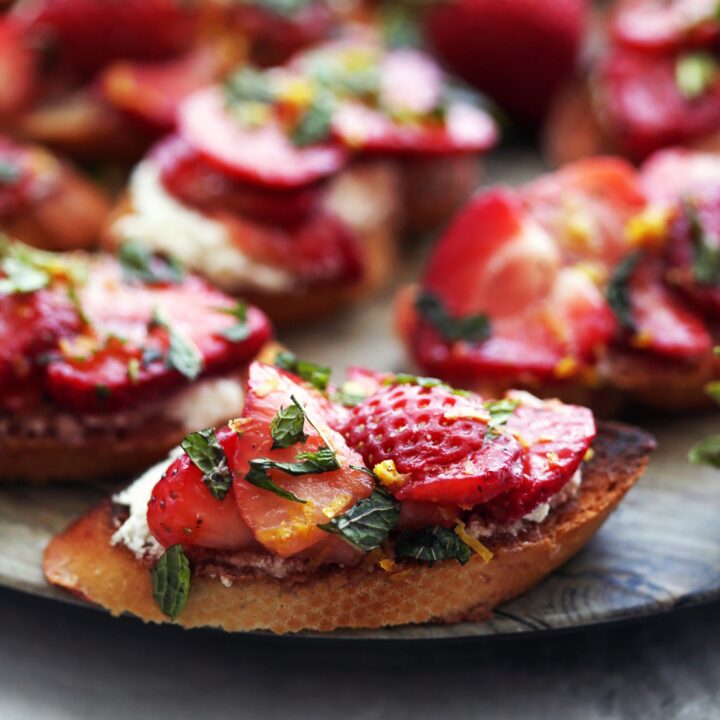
[91, 458]
[366, 197]
[83, 561]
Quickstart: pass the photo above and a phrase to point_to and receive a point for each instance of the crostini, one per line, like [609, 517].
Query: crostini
[287, 185]
[45, 202]
[654, 83]
[596, 283]
[106, 363]
[390, 500]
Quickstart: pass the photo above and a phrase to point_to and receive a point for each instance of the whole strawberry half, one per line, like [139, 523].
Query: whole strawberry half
[517, 51]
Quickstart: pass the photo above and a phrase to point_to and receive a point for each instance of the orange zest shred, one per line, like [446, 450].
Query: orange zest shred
[472, 542]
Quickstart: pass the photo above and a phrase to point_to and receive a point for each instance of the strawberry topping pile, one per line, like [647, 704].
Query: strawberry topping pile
[541, 283]
[98, 335]
[658, 83]
[259, 151]
[409, 460]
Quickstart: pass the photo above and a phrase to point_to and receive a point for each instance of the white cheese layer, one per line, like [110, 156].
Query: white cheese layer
[207, 403]
[204, 245]
[134, 533]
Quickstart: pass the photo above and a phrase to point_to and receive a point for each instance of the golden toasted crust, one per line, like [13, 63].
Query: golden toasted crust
[69, 218]
[93, 457]
[82, 560]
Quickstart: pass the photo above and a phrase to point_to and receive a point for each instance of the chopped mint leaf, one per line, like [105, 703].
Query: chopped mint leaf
[287, 426]
[317, 375]
[171, 581]
[140, 263]
[471, 328]
[432, 544]
[617, 292]
[207, 454]
[240, 330]
[695, 73]
[367, 523]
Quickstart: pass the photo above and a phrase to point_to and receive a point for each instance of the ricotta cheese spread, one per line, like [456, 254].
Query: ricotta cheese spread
[198, 242]
[134, 533]
[207, 403]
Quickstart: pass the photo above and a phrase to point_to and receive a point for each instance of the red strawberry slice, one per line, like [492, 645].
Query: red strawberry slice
[87, 34]
[496, 261]
[183, 511]
[558, 437]
[464, 129]
[411, 87]
[671, 175]
[437, 441]
[17, 68]
[283, 526]
[187, 176]
[152, 92]
[586, 206]
[664, 323]
[30, 325]
[320, 250]
[657, 25]
[263, 155]
[101, 378]
[645, 109]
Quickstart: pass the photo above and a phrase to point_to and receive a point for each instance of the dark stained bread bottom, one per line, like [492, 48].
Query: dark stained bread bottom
[82, 560]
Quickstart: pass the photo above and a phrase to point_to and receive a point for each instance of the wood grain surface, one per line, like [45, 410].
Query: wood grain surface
[661, 550]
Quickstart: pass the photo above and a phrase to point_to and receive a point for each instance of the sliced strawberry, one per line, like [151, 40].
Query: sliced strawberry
[645, 109]
[264, 155]
[437, 441]
[671, 175]
[664, 324]
[153, 92]
[493, 259]
[586, 206]
[286, 527]
[17, 68]
[321, 249]
[183, 511]
[187, 176]
[412, 116]
[568, 325]
[127, 360]
[496, 261]
[31, 324]
[465, 128]
[85, 34]
[658, 25]
[557, 437]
